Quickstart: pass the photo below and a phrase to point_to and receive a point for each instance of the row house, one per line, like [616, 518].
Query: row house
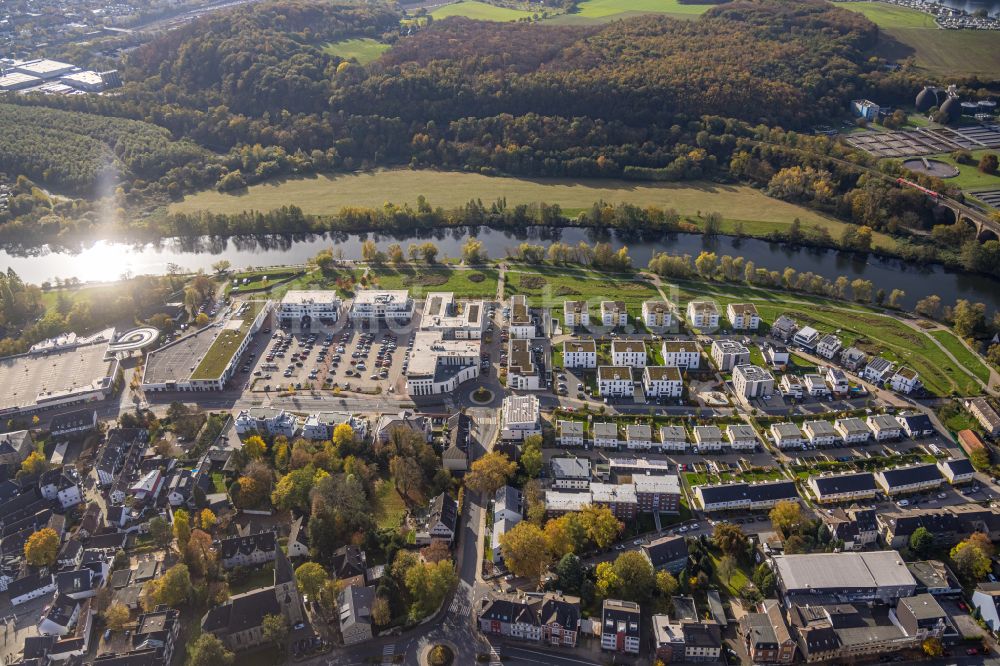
[681, 354]
[742, 437]
[821, 433]
[909, 479]
[580, 354]
[657, 314]
[606, 435]
[673, 439]
[570, 433]
[727, 354]
[745, 496]
[708, 438]
[570, 473]
[662, 381]
[787, 436]
[985, 413]
[743, 316]
[638, 436]
[614, 313]
[628, 352]
[884, 427]
[852, 430]
[957, 470]
[851, 487]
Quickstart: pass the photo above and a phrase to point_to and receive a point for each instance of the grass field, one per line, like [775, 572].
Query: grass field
[389, 508]
[962, 353]
[600, 9]
[480, 11]
[422, 280]
[971, 178]
[858, 325]
[326, 195]
[364, 50]
[551, 286]
[891, 16]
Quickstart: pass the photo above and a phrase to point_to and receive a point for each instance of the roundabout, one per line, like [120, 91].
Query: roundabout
[481, 396]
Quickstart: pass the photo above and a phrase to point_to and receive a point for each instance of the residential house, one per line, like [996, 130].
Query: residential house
[266, 421]
[455, 457]
[657, 493]
[669, 553]
[439, 522]
[702, 641]
[821, 433]
[673, 439]
[580, 354]
[934, 577]
[703, 315]
[776, 355]
[615, 381]
[63, 485]
[727, 354]
[668, 638]
[522, 374]
[508, 503]
[742, 437]
[683, 354]
[15, 447]
[657, 314]
[906, 380]
[986, 599]
[638, 436]
[708, 438]
[884, 426]
[852, 430]
[752, 381]
[605, 435]
[956, 470]
[784, 327]
[513, 618]
[745, 496]
[921, 616]
[986, 414]
[837, 380]
[68, 423]
[909, 479]
[30, 586]
[853, 359]
[766, 635]
[559, 617]
[522, 324]
[621, 498]
[849, 487]
[662, 381]
[743, 316]
[553, 619]
[350, 565]
[570, 433]
[829, 346]
[806, 337]
[246, 551]
[815, 385]
[620, 626]
[787, 435]
[519, 417]
[570, 473]
[387, 423]
[877, 371]
[319, 427]
[298, 538]
[614, 313]
[355, 607]
[575, 313]
[628, 352]
[791, 387]
[916, 425]
[855, 526]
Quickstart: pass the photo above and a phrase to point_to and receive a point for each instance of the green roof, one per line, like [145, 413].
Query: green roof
[221, 352]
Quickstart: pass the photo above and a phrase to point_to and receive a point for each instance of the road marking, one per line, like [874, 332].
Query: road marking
[550, 656]
[388, 652]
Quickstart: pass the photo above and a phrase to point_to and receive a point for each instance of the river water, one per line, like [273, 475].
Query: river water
[107, 260]
[970, 6]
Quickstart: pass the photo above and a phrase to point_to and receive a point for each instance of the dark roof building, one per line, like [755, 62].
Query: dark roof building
[669, 552]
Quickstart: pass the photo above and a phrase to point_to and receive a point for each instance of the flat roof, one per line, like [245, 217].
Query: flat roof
[43, 66]
[429, 346]
[310, 297]
[17, 79]
[382, 296]
[842, 571]
[32, 379]
[614, 372]
[587, 346]
[234, 331]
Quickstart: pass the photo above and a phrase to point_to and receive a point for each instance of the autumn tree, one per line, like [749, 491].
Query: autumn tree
[116, 616]
[786, 516]
[173, 588]
[208, 650]
[274, 629]
[971, 559]
[531, 456]
[343, 435]
[428, 583]
[525, 550]
[636, 576]
[933, 647]
[565, 534]
[666, 584]
[600, 524]
[730, 539]
[34, 465]
[41, 548]
[182, 529]
[310, 578]
[921, 541]
[207, 519]
[254, 447]
[490, 473]
[381, 610]
[199, 554]
[473, 251]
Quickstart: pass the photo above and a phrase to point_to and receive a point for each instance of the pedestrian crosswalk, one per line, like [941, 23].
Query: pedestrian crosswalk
[388, 653]
[495, 657]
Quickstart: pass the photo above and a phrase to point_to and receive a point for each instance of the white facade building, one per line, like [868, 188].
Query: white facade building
[628, 352]
[743, 316]
[661, 381]
[615, 381]
[703, 315]
[463, 320]
[787, 436]
[614, 313]
[580, 354]
[905, 381]
[575, 313]
[657, 314]
[306, 306]
[681, 354]
[742, 437]
[522, 325]
[821, 433]
[440, 366]
[829, 346]
[374, 306]
[522, 374]
[520, 417]
[727, 354]
[752, 381]
[806, 337]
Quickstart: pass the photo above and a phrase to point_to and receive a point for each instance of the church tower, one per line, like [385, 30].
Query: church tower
[285, 588]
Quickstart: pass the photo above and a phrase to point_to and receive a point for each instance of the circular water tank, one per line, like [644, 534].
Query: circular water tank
[926, 98]
[952, 107]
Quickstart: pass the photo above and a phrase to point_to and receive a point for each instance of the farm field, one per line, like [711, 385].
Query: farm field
[327, 194]
[860, 326]
[364, 50]
[480, 11]
[473, 283]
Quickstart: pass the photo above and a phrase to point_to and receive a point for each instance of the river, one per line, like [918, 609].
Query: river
[971, 6]
[108, 260]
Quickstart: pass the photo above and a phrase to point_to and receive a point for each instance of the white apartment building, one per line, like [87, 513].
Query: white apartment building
[580, 354]
[791, 386]
[638, 437]
[837, 380]
[727, 354]
[575, 313]
[752, 381]
[303, 307]
[708, 438]
[743, 316]
[703, 315]
[776, 354]
[615, 381]
[628, 352]
[570, 432]
[806, 337]
[878, 371]
[374, 306]
[852, 430]
[816, 385]
[614, 313]
[463, 320]
[660, 381]
[681, 354]
[742, 437]
[884, 427]
[673, 439]
[440, 366]
[787, 436]
[522, 325]
[606, 435]
[905, 381]
[829, 346]
[657, 314]
[522, 374]
[266, 421]
[821, 433]
[520, 417]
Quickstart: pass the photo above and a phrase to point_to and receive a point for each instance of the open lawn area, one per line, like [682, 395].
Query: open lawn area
[69, 296]
[590, 11]
[390, 510]
[861, 326]
[971, 178]
[943, 52]
[364, 50]
[551, 286]
[471, 283]
[970, 360]
[732, 586]
[327, 195]
[480, 11]
[891, 16]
